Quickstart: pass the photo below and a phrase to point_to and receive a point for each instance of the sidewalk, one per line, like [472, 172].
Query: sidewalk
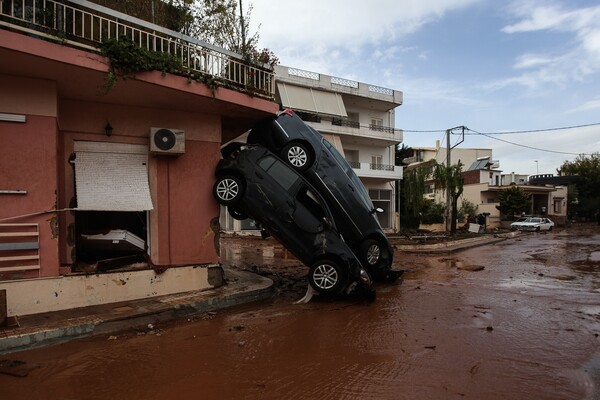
[241, 287]
[51, 328]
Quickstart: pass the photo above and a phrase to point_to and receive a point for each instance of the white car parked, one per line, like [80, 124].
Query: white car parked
[533, 224]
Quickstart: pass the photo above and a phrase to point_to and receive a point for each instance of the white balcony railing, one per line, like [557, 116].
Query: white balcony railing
[86, 25]
[382, 171]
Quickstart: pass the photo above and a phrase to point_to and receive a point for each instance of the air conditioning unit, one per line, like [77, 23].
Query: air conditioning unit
[167, 141]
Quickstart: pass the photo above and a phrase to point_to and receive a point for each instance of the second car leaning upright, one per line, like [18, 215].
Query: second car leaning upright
[317, 160]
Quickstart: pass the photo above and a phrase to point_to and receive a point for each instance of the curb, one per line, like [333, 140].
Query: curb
[41, 330]
[454, 246]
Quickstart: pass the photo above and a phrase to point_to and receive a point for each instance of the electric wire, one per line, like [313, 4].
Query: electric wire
[491, 135]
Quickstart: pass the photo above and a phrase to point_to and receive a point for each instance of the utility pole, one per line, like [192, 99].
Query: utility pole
[243, 26]
[448, 164]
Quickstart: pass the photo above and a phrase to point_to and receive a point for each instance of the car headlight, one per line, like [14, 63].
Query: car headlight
[364, 277]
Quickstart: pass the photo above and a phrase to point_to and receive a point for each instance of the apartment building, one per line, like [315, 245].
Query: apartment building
[358, 119]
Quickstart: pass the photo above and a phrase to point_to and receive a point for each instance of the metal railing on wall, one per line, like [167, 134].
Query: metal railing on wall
[86, 25]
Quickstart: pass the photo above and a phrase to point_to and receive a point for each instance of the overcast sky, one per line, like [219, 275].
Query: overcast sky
[493, 66]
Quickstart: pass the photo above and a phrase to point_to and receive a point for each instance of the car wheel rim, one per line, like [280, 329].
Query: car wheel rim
[227, 189]
[373, 254]
[325, 276]
[297, 156]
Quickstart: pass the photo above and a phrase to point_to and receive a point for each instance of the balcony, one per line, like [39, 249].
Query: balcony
[364, 95]
[378, 171]
[379, 135]
[85, 25]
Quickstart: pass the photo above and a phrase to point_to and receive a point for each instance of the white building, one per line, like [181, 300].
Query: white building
[358, 119]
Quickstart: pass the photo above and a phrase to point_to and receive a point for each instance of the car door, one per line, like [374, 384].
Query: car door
[294, 213]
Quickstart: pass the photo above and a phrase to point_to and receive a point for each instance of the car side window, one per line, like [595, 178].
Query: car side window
[280, 172]
[309, 200]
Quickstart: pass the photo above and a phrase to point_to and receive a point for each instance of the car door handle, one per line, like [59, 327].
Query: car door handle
[351, 187]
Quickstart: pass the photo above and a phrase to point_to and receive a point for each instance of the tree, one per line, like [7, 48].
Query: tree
[402, 152]
[588, 184]
[449, 180]
[220, 22]
[513, 201]
[412, 202]
[467, 208]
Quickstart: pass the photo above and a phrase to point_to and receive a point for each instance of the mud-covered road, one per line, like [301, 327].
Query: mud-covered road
[519, 319]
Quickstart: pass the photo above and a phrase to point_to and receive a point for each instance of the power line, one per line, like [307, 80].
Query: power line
[490, 136]
[536, 130]
[528, 147]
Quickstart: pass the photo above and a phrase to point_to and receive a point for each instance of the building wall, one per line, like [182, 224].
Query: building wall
[28, 163]
[181, 225]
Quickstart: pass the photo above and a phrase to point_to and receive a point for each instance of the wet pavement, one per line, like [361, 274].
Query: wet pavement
[517, 319]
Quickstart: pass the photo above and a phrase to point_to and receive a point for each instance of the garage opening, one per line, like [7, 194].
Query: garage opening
[112, 197]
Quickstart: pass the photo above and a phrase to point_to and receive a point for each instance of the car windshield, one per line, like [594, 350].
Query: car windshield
[536, 220]
[361, 191]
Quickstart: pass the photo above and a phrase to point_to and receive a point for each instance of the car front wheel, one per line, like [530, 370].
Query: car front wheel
[326, 277]
[297, 155]
[228, 190]
[371, 252]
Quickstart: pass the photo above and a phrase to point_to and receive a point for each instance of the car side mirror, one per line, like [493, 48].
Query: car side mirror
[377, 210]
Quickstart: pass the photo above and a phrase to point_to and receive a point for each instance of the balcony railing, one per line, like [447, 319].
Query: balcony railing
[308, 117]
[381, 167]
[377, 171]
[86, 25]
[379, 128]
[345, 122]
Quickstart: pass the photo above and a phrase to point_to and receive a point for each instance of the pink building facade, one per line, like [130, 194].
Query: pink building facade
[69, 150]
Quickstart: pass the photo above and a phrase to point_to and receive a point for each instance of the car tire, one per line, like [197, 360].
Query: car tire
[237, 214]
[297, 155]
[371, 253]
[550, 229]
[228, 190]
[537, 229]
[326, 277]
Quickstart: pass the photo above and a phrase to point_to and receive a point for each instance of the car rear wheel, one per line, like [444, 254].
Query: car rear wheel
[297, 155]
[228, 190]
[326, 277]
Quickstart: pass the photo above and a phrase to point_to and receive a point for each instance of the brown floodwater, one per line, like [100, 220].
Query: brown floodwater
[525, 326]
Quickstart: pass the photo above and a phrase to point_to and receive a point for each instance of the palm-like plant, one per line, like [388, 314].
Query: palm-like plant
[449, 180]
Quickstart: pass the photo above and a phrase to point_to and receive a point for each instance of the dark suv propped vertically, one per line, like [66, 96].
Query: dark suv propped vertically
[255, 184]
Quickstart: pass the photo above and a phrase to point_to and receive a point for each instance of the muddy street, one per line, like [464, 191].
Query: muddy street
[519, 319]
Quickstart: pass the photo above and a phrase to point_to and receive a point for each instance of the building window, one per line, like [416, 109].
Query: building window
[375, 122]
[352, 158]
[557, 206]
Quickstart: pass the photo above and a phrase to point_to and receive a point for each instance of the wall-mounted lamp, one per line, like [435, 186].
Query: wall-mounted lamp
[108, 129]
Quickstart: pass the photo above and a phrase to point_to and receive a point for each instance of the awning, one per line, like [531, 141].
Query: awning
[311, 100]
[111, 178]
